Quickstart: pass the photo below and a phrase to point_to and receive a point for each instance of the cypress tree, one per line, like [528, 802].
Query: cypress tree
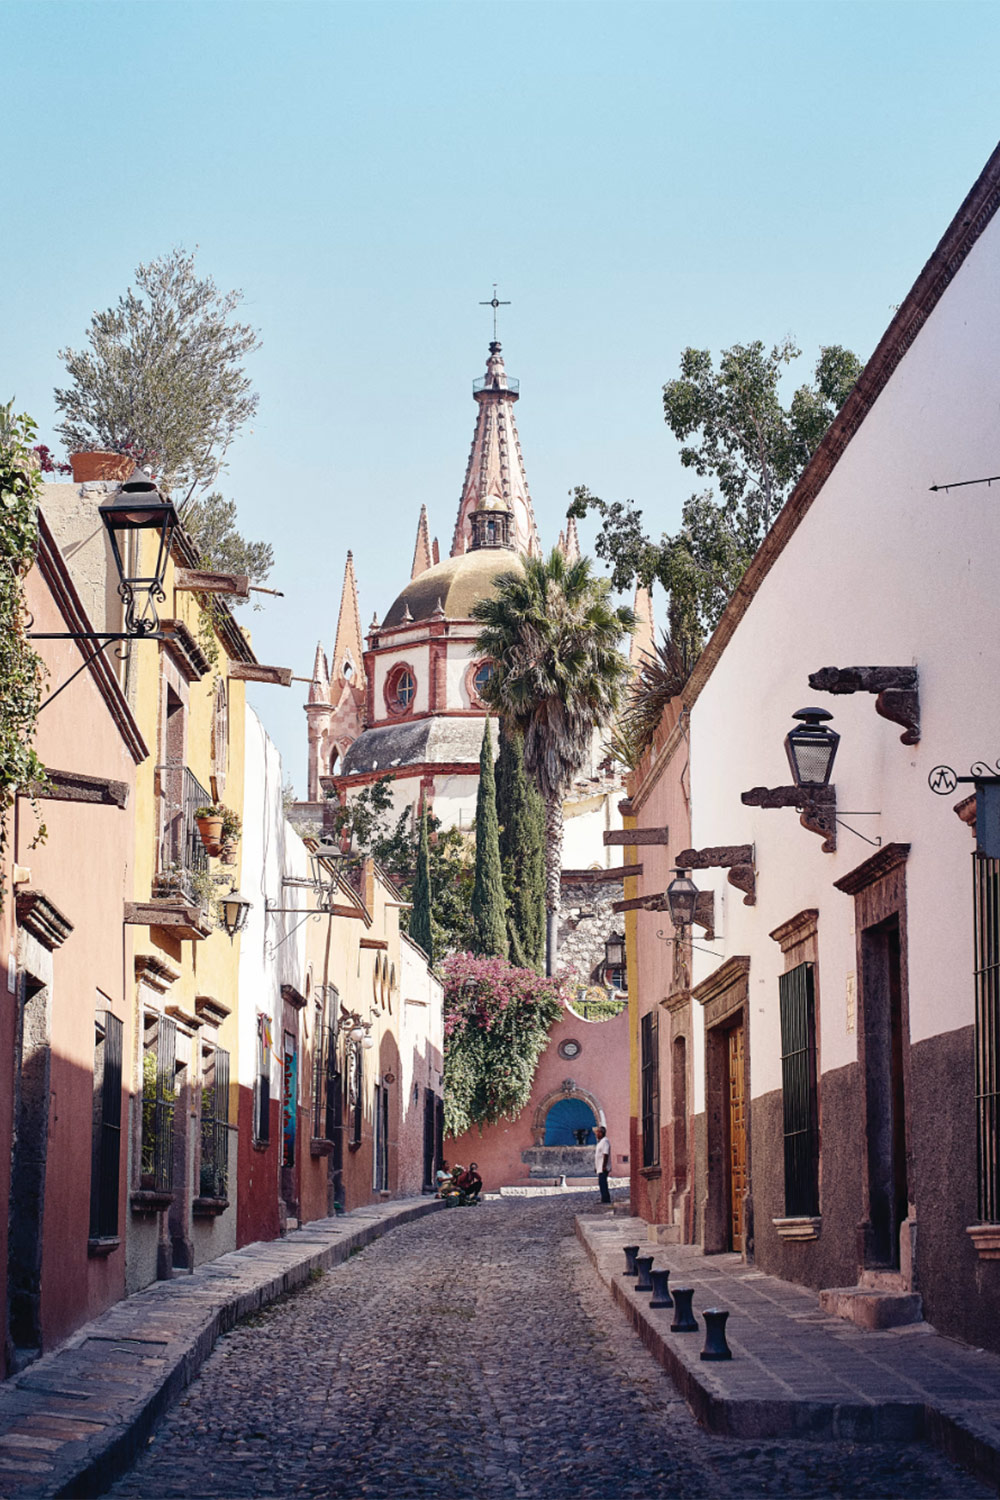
[522, 853]
[489, 904]
[420, 916]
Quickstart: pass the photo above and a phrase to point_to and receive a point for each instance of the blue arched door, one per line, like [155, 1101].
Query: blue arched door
[570, 1122]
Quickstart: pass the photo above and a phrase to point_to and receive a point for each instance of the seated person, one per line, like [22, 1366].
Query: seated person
[470, 1184]
[442, 1178]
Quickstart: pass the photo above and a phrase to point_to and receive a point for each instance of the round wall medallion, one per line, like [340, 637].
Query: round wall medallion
[570, 1048]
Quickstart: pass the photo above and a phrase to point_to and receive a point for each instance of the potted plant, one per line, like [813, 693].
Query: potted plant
[232, 827]
[210, 820]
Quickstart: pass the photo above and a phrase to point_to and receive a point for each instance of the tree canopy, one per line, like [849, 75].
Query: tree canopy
[553, 635]
[489, 902]
[162, 378]
[735, 431]
[522, 853]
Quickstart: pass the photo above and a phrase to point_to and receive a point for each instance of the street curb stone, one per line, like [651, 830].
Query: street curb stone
[801, 1374]
[75, 1420]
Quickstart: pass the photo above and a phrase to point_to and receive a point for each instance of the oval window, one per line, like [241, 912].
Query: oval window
[482, 677]
[404, 688]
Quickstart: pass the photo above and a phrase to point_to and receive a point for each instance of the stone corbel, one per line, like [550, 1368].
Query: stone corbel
[817, 807]
[897, 687]
[737, 859]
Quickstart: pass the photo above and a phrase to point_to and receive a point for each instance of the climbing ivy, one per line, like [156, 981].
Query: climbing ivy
[21, 669]
[497, 1020]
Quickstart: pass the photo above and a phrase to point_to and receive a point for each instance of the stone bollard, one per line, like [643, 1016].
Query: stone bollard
[684, 1319]
[631, 1251]
[661, 1288]
[715, 1334]
[643, 1264]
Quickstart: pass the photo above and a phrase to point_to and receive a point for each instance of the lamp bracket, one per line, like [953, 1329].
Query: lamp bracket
[897, 688]
[817, 807]
[736, 858]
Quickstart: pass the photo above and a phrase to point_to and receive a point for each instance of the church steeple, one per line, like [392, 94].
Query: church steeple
[422, 550]
[348, 651]
[494, 478]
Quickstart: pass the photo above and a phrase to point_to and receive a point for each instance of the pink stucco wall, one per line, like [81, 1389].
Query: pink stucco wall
[600, 1070]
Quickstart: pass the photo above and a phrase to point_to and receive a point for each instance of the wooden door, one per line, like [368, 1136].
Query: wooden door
[737, 1143]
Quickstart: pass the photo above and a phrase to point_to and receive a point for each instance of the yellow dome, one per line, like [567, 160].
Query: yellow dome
[457, 582]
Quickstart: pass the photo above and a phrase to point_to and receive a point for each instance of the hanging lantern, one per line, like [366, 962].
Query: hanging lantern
[234, 910]
[682, 898]
[811, 747]
[136, 507]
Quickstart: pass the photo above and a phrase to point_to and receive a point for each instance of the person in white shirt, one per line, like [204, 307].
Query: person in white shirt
[602, 1162]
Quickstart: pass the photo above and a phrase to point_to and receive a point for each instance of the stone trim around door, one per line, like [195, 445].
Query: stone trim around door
[724, 996]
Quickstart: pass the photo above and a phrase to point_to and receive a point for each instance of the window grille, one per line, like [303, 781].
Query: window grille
[320, 1048]
[356, 1099]
[650, 1090]
[105, 1159]
[262, 1084]
[214, 1177]
[159, 1066]
[796, 992]
[986, 885]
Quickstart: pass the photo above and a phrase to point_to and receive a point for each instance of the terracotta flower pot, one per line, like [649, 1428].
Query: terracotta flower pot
[100, 464]
[211, 834]
[228, 852]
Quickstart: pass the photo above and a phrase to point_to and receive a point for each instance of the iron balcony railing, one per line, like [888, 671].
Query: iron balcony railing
[181, 851]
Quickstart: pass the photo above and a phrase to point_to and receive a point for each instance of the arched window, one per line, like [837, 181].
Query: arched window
[483, 675]
[400, 690]
[220, 735]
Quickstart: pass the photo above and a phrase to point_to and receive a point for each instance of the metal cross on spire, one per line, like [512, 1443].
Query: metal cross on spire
[494, 302]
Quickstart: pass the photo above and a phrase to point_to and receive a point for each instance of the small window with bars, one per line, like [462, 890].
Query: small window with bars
[986, 878]
[356, 1087]
[262, 1084]
[650, 1063]
[326, 1083]
[159, 1098]
[105, 1160]
[213, 1181]
[796, 995]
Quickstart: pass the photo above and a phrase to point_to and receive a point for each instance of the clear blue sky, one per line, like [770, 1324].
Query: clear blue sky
[637, 177]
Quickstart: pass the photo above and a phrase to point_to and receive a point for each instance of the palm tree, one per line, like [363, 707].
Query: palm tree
[552, 634]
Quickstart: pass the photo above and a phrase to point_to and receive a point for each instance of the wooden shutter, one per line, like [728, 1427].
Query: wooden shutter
[798, 1091]
[986, 875]
[106, 1155]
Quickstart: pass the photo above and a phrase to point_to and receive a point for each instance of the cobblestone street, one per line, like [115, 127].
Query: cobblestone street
[475, 1353]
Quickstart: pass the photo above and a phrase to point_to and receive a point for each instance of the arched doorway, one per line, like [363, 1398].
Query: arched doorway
[570, 1122]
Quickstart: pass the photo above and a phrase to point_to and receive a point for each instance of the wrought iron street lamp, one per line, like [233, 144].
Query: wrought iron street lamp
[137, 507]
[811, 747]
[234, 910]
[682, 898]
[614, 951]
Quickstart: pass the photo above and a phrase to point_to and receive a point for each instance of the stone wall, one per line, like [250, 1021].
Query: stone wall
[587, 921]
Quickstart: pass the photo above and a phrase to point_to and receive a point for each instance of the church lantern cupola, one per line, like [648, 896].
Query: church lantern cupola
[492, 526]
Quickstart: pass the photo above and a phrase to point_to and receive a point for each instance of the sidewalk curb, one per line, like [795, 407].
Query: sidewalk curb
[950, 1426]
[185, 1318]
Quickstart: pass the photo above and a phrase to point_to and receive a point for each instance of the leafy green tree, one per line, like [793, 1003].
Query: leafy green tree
[553, 636]
[522, 853]
[211, 522]
[367, 824]
[489, 904]
[163, 377]
[735, 431]
[21, 669]
[420, 916]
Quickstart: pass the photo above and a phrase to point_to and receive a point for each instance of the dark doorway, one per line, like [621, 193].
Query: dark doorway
[27, 1185]
[888, 1195]
[430, 1116]
[736, 1134]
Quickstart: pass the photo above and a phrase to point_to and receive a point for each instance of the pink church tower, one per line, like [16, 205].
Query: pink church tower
[336, 706]
[495, 477]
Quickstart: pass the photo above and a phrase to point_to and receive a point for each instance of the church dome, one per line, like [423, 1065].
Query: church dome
[457, 583]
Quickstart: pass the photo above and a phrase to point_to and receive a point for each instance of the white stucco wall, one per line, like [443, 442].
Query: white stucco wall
[879, 572]
[416, 655]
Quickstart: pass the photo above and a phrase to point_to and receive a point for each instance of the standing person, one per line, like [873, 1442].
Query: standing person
[602, 1162]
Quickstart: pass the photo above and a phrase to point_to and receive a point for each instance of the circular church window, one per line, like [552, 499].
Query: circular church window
[570, 1048]
[400, 689]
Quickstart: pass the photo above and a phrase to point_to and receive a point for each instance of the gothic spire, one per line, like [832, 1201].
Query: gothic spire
[348, 651]
[569, 541]
[319, 688]
[642, 636]
[495, 471]
[422, 550]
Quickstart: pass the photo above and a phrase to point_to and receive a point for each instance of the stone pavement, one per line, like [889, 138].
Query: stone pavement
[74, 1420]
[797, 1370]
[476, 1353]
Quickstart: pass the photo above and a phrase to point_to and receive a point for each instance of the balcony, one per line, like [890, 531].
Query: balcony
[182, 890]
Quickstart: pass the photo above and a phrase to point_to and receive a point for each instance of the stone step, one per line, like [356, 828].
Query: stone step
[870, 1307]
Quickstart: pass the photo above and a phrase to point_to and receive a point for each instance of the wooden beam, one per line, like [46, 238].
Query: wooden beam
[367, 942]
[348, 911]
[203, 581]
[246, 671]
[641, 903]
[626, 836]
[625, 870]
[71, 786]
